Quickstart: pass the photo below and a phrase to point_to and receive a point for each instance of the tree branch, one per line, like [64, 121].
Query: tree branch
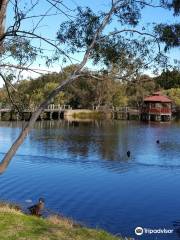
[35, 70]
[133, 31]
[12, 151]
[9, 94]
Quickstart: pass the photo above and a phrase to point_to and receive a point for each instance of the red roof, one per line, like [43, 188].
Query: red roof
[157, 97]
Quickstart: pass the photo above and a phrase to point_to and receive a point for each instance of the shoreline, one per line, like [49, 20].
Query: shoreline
[16, 225]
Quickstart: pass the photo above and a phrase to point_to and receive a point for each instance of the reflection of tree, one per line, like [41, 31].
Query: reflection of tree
[83, 142]
[109, 139]
[3, 166]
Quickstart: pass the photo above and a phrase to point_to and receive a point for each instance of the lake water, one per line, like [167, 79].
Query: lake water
[82, 171]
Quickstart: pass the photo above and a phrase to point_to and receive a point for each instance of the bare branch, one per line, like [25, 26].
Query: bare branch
[40, 15]
[55, 5]
[35, 70]
[41, 19]
[7, 82]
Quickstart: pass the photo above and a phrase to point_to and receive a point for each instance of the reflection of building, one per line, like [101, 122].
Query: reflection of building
[156, 108]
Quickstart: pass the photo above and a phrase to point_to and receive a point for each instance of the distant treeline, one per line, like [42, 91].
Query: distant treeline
[88, 91]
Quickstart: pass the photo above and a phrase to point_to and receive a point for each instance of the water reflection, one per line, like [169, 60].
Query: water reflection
[83, 171]
[96, 142]
[88, 143]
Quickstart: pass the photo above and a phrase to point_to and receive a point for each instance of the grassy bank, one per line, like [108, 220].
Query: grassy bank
[16, 225]
[90, 115]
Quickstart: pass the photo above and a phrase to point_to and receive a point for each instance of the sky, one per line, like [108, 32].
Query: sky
[49, 26]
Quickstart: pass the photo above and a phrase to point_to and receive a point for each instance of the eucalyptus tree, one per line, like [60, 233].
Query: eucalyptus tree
[168, 79]
[111, 37]
[170, 33]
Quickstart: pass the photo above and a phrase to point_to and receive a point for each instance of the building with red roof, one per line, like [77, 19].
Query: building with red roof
[157, 107]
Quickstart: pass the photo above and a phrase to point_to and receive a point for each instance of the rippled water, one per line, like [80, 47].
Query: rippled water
[82, 171]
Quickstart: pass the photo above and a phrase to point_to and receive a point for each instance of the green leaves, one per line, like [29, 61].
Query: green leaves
[128, 13]
[168, 79]
[169, 34]
[176, 6]
[20, 49]
[78, 34]
[125, 46]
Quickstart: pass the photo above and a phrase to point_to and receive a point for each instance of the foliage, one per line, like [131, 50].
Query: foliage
[138, 89]
[168, 79]
[20, 49]
[122, 46]
[120, 98]
[79, 33]
[175, 4]
[86, 92]
[174, 94]
[170, 33]
[32, 92]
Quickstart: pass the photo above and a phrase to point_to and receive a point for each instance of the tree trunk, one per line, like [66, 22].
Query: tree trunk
[3, 8]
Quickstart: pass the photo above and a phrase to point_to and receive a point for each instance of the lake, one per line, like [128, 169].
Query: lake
[83, 172]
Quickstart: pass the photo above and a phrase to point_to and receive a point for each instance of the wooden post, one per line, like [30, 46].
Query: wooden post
[51, 113]
[17, 116]
[59, 115]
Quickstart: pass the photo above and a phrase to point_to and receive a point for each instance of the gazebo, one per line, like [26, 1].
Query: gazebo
[157, 107]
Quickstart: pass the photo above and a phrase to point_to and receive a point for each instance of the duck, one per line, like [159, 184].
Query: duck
[37, 208]
[157, 141]
[128, 153]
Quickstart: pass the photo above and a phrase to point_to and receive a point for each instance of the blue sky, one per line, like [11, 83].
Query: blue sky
[49, 25]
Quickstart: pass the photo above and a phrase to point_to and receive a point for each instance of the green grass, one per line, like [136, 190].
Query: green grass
[14, 225]
[89, 115]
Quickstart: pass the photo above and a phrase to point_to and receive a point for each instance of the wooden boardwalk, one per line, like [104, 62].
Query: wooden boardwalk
[122, 113]
[59, 112]
[51, 112]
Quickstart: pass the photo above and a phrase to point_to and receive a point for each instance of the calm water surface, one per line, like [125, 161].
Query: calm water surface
[82, 171]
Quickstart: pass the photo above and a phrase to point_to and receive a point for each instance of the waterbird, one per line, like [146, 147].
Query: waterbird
[37, 208]
[157, 141]
[128, 153]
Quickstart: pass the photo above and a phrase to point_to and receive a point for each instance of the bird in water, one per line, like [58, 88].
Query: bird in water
[157, 141]
[128, 153]
[37, 208]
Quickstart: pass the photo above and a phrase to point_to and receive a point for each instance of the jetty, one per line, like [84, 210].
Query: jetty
[57, 112]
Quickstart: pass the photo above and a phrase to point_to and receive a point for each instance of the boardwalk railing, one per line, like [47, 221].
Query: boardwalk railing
[116, 109]
[58, 111]
[49, 107]
[59, 107]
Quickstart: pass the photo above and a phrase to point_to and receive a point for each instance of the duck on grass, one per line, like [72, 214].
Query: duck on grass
[16, 225]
